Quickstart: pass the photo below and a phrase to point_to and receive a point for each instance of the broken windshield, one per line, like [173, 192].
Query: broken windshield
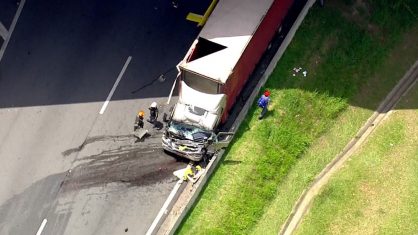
[188, 131]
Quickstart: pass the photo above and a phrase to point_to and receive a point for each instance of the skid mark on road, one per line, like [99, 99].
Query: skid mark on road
[133, 167]
[93, 139]
[132, 142]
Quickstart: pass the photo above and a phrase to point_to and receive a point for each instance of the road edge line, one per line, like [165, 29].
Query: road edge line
[171, 199]
[41, 228]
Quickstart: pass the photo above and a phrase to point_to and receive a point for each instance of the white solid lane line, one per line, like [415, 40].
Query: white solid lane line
[3, 31]
[12, 27]
[102, 110]
[153, 228]
[41, 228]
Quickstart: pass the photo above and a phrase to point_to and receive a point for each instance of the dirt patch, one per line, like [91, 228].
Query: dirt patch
[407, 49]
[326, 47]
[358, 12]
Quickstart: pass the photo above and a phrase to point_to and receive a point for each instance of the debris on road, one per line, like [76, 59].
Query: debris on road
[141, 134]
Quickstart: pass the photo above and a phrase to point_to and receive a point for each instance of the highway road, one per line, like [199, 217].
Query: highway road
[70, 164]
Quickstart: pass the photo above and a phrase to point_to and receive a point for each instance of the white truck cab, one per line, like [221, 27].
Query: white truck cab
[191, 128]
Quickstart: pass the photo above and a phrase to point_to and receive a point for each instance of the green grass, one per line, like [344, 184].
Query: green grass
[272, 161]
[333, 141]
[377, 191]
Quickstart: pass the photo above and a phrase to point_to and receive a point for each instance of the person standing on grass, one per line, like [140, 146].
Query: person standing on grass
[263, 102]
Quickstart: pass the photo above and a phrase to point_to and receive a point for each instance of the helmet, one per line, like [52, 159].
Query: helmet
[141, 114]
[266, 93]
[153, 105]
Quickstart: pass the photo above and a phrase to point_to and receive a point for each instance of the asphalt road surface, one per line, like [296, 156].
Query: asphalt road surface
[68, 161]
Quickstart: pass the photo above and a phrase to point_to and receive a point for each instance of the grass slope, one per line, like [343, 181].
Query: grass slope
[333, 140]
[377, 190]
[341, 55]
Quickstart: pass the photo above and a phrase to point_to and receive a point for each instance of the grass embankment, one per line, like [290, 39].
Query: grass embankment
[377, 190]
[311, 118]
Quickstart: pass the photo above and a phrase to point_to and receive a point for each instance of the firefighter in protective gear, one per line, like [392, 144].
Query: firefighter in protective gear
[139, 120]
[190, 172]
[153, 110]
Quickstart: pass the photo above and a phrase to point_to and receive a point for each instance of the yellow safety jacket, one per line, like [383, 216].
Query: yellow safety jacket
[188, 172]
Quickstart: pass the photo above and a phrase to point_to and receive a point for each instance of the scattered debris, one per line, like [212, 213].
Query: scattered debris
[297, 70]
[175, 4]
[140, 134]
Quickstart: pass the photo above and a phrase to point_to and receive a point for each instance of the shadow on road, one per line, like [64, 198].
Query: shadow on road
[73, 51]
[25, 211]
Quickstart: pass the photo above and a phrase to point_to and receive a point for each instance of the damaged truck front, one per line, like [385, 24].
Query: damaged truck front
[191, 128]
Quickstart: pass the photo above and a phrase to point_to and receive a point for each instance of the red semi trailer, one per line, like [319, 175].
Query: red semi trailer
[219, 63]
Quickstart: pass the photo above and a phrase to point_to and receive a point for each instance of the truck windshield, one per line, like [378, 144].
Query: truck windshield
[188, 132]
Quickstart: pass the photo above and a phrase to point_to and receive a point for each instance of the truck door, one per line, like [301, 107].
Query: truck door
[222, 140]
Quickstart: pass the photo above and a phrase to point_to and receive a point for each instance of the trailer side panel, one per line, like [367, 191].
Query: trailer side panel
[254, 50]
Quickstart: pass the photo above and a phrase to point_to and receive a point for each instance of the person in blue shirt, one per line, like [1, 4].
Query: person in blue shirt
[263, 102]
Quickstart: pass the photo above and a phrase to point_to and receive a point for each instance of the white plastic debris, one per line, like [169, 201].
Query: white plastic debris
[297, 70]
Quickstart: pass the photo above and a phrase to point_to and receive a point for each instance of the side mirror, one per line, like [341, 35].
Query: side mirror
[167, 117]
[223, 139]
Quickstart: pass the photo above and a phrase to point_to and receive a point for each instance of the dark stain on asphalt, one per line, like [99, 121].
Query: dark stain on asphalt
[130, 165]
[95, 139]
